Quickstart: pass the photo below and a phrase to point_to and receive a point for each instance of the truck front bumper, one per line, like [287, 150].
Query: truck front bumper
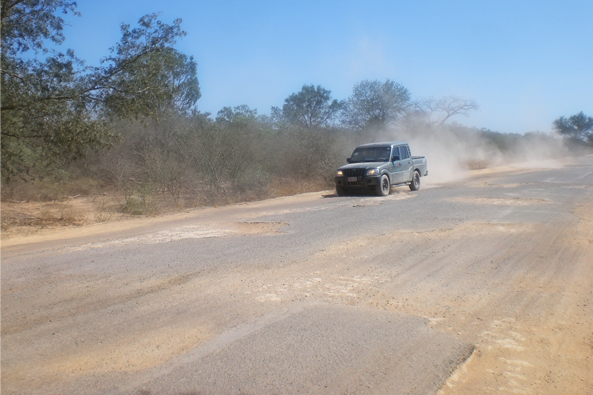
[361, 182]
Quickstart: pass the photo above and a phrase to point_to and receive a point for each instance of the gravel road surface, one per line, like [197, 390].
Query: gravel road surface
[484, 285]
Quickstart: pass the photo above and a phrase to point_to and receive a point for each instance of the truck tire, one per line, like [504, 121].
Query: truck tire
[340, 191]
[384, 187]
[415, 184]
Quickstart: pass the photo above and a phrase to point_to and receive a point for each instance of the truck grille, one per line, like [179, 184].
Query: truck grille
[353, 172]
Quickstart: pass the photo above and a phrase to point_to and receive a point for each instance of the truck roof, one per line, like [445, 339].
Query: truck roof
[384, 144]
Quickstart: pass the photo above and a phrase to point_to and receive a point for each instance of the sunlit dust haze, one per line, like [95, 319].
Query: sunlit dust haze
[453, 151]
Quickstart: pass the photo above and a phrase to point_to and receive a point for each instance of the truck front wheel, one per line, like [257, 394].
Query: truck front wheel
[384, 187]
[340, 191]
[415, 184]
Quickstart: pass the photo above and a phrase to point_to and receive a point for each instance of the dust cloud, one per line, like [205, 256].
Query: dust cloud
[453, 150]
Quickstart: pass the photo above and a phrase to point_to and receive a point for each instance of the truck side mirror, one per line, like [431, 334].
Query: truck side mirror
[348, 160]
[394, 158]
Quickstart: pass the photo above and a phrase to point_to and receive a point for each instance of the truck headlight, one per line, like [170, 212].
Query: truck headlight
[372, 172]
[339, 173]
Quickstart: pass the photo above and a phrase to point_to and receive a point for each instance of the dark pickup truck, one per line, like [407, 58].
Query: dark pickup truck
[378, 167]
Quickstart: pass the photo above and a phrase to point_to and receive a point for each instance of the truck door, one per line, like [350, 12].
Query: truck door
[396, 159]
[407, 167]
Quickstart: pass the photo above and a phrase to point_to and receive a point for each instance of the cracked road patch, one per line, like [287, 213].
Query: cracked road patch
[337, 349]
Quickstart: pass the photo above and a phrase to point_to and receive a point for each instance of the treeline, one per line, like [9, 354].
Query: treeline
[188, 161]
[195, 159]
[131, 129]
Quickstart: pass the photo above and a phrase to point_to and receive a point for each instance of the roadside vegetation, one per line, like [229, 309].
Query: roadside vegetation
[87, 144]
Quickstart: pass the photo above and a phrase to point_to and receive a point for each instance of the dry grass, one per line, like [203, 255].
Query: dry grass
[21, 217]
[289, 187]
[26, 217]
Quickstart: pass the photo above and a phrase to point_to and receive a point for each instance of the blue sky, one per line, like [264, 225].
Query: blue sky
[525, 62]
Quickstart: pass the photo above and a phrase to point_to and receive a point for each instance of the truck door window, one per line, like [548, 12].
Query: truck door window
[395, 154]
[404, 153]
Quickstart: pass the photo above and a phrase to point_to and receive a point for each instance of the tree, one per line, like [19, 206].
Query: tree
[578, 127]
[55, 109]
[438, 111]
[145, 75]
[309, 108]
[229, 115]
[28, 24]
[375, 104]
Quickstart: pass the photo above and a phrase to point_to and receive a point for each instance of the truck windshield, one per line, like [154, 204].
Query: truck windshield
[370, 154]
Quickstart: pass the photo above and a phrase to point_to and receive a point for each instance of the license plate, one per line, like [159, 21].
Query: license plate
[352, 179]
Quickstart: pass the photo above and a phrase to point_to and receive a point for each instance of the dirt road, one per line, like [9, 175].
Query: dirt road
[480, 286]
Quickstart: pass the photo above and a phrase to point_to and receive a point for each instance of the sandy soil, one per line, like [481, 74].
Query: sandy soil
[24, 218]
[531, 327]
[548, 347]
